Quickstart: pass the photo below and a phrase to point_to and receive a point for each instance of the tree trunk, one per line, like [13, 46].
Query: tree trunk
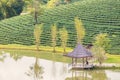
[54, 49]
[35, 17]
[64, 50]
[37, 45]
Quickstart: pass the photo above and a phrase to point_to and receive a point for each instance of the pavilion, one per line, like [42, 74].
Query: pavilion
[80, 53]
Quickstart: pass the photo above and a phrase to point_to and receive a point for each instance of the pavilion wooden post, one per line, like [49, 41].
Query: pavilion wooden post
[86, 62]
[76, 61]
[83, 62]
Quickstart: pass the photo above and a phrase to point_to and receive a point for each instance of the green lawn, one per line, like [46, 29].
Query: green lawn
[40, 54]
[33, 47]
[17, 51]
[113, 58]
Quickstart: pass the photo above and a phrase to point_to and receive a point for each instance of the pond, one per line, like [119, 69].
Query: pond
[13, 67]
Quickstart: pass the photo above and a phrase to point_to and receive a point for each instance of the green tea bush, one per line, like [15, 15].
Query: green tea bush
[98, 16]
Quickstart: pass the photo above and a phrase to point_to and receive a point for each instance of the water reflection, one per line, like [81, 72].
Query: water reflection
[53, 68]
[35, 71]
[88, 75]
[15, 56]
[98, 75]
[79, 75]
[58, 70]
[7, 54]
[34, 68]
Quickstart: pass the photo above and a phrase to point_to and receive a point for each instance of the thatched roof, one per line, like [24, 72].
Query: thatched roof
[79, 52]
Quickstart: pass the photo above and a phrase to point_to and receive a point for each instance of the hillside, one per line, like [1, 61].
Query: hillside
[98, 16]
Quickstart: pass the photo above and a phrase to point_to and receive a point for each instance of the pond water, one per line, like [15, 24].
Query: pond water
[31, 68]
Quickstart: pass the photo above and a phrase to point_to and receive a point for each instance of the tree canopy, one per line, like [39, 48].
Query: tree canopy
[79, 29]
[10, 8]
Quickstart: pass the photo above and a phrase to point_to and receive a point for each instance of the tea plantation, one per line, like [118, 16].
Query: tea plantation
[98, 16]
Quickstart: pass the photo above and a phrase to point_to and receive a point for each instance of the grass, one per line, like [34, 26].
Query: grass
[46, 53]
[39, 54]
[32, 47]
[113, 58]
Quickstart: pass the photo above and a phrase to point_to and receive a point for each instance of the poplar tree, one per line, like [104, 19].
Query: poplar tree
[100, 44]
[79, 29]
[37, 33]
[98, 53]
[38, 26]
[102, 40]
[64, 37]
[37, 8]
[54, 35]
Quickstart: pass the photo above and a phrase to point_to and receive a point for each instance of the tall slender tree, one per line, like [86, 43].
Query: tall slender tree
[54, 35]
[102, 40]
[99, 53]
[100, 44]
[36, 10]
[64, 37]
[79, 29]
[37, 34]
